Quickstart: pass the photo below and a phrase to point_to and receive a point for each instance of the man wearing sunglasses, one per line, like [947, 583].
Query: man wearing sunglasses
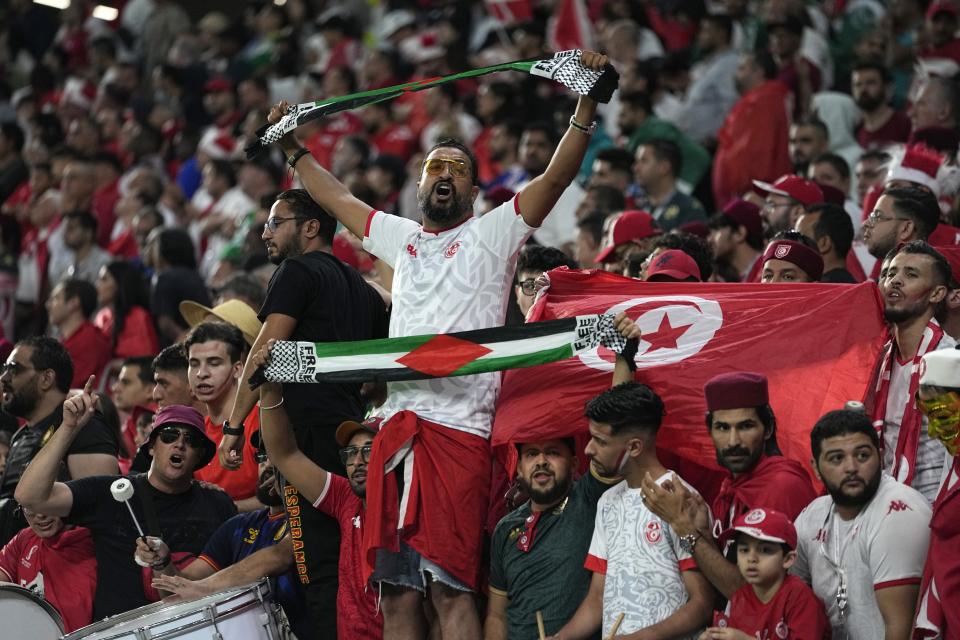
[533, 262]
[450, 274]
[938, 398]
[313, 297]
[168, 503]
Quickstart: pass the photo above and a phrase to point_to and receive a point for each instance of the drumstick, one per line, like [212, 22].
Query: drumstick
[616, 627]
[540, 630]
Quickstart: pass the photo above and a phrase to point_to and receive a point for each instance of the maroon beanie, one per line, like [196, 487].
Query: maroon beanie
[736, 391]
[795, 253]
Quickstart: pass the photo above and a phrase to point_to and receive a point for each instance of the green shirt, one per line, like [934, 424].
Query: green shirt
[549, 578]
[696, 160]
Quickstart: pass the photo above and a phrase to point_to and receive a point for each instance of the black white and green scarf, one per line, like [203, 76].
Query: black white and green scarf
[564, 67]
[439, 355]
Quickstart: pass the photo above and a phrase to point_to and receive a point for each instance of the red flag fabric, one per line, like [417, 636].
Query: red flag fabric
[509, 12]
[570, 27]
[818, 345]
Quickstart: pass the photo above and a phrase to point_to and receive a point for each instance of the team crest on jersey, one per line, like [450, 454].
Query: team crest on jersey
[782, 631]
[452, 250]
[653, 532]
[755, 517]
[782, 251]
[672, 212]
[412, 251]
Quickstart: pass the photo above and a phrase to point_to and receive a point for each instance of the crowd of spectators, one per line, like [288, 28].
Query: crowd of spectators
[145, 263]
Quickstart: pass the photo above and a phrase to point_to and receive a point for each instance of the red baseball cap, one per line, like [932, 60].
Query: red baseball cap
[804, 191]
[217, 83]
[747, 215]
[763, 524]
[941, 7]
[349, 428]
[673, 265]
[630, 226]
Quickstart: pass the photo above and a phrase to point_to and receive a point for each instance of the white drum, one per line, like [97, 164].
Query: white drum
[26, 616]
[245, 613]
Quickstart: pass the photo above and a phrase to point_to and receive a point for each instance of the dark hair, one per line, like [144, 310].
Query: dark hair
[669, 151]
[841, 422]
[941, 268]
[723, 221]
[873, 65]
[918, 204]
[175, 247]
[692, 245]
[534, 257]
[765, 62]
[607, 198]
[795, 236]
[875, 154]
[638, 99]
[360, 146]
[627, 407]
[816, 123]
[131, 292]
[48, 353]
[769, 421]
[171, 358]
[83, 291]
[593, 224]
[393, 166]
[453, 143]
[152, 191]
[570, 441]
[835, 223]
[85, 219]
[245, 285]
[214, 330]
[13, 133]
[224, 169]
[545, 128]
[722, 21]
[302, 205]
[619, 159]
[105, 157]
[144, 365]
[835, 161]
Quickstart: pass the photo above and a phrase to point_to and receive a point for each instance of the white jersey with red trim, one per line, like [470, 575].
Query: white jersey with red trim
[453, 280]
[640, 556]
[884, 546]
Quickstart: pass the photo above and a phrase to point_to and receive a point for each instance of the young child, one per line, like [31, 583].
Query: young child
[772, 604]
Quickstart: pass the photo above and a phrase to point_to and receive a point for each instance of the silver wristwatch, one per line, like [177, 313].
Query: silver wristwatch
[689, 542]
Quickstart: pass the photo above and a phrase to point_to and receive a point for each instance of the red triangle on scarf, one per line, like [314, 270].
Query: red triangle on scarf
[442, 355]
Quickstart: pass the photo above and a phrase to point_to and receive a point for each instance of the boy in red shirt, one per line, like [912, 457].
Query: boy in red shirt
[772, 604]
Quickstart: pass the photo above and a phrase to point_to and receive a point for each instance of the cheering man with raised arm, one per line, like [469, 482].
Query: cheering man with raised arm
[452, 273]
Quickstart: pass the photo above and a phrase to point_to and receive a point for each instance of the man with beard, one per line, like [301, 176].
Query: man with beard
[914, 291]
[313, 297]
[642, 570]
[35, 382]
[736, 238]
[167, 500]
[744, 432]
[236, 540]
[786, 200]
[902, 214]
[872, 89]
[862, 546]
[808, 139]
[537, 551]
[451, 274]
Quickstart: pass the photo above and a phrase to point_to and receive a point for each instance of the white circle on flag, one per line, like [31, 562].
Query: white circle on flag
[699, 319]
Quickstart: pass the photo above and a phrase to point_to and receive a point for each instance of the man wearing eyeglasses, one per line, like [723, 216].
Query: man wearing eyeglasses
[35, 381]
[450, 274]
[168, 503]
[902, 214]
[533, 262]
[312, 297]
[938, 398]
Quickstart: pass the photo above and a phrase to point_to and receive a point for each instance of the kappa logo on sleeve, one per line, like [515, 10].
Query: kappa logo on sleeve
[898, 505]
[673, 328]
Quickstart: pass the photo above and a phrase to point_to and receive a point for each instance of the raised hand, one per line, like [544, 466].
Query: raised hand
[79, 408]
[627, 328]
[594, 60]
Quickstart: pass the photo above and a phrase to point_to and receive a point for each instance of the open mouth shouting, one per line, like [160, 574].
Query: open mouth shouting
[443, 191]
[176, 460]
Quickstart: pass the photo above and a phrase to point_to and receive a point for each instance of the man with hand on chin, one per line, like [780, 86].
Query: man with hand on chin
[167, 500]
[537, 551]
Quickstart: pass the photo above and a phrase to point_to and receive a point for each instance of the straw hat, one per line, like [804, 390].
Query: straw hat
[234, 312]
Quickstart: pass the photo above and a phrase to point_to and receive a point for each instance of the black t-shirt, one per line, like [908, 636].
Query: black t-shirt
[186, 521]
[171, 287]
[839, 275]
[95, 437]
[331, 303]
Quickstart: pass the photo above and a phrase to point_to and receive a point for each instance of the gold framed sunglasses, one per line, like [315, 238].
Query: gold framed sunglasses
[458, 167]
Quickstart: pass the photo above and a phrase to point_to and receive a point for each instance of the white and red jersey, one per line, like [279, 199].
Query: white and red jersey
[453, 280]
[640, 556]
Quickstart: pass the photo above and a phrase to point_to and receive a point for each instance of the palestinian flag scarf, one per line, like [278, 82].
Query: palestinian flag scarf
[564, 67]
[439, 355]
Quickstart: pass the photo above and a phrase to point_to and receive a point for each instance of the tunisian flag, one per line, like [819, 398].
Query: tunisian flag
[818, 345]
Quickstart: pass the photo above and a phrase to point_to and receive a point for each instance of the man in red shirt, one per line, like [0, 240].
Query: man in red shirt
[57, 563]
[132, 392]
[941, 29]
[342, 498]
[70, 306]
[216, 352]
[872, 88]
[744, 431]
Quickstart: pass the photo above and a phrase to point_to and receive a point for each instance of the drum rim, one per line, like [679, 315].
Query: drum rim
[262, 587]
[42, 602]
